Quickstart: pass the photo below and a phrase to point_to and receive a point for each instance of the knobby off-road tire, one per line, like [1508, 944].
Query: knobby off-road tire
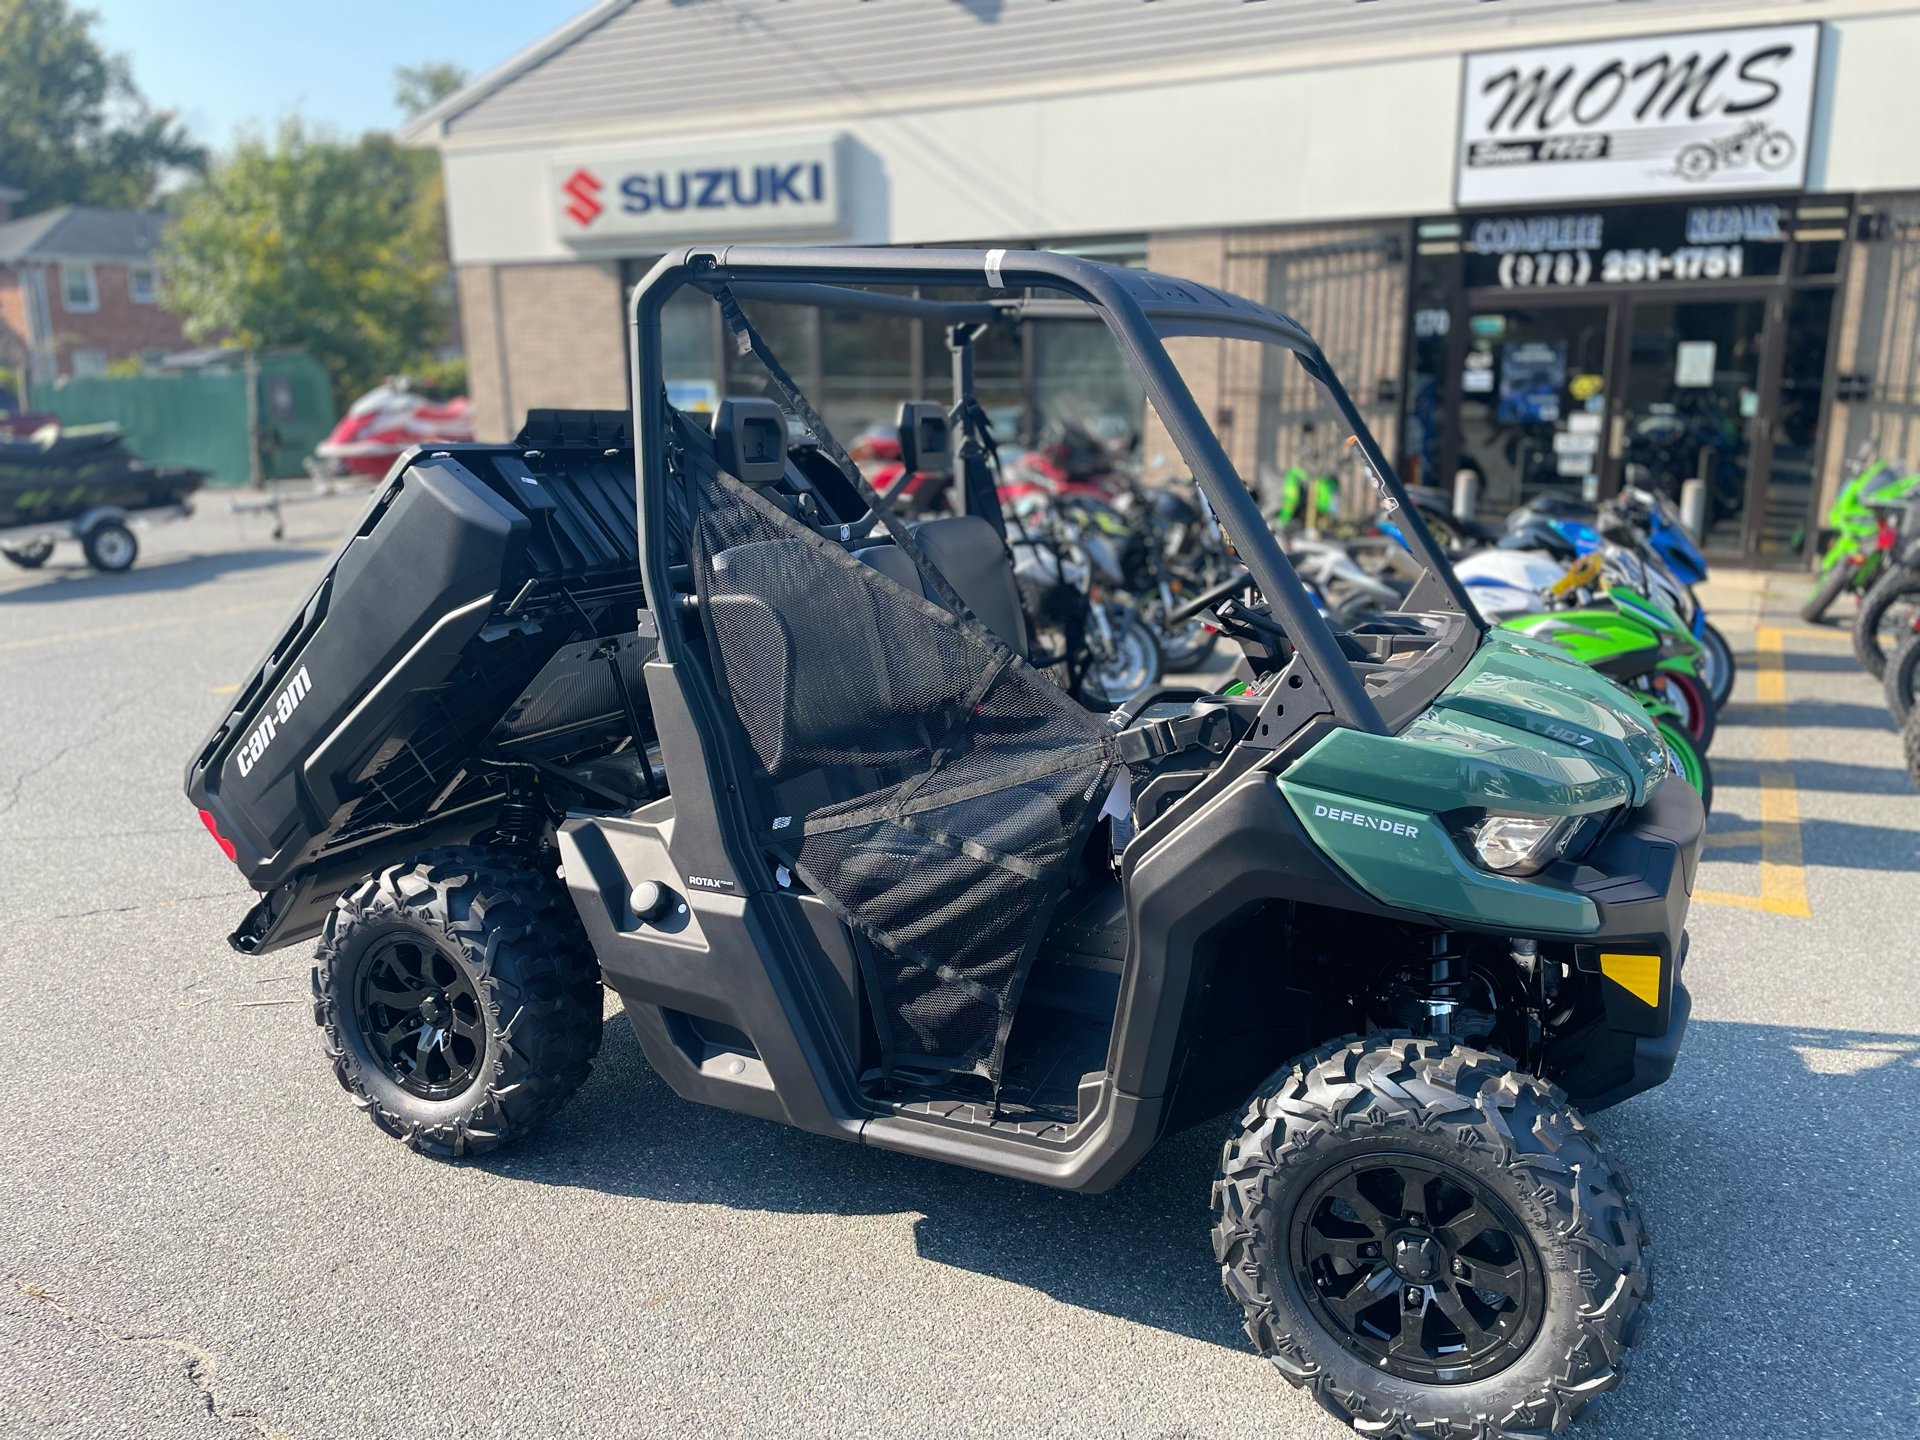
[1910, 743]
[1433, 1105]
[1830, 588]
[1899, 593]
[487, 945]
[1902, 675]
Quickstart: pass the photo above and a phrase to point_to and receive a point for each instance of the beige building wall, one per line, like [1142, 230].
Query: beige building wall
[542, 337]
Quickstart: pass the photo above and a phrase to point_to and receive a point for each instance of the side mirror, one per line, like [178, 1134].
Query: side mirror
[923, 437]
[750, 440]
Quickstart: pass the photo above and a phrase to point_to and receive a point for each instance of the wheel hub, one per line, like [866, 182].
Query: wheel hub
[420, 1016]
[1417, 1267]
[1416, 1257]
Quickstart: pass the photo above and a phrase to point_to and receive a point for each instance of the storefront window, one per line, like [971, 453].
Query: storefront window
[687, 324]
[1081, 382]
[866, 371]
[1533, 401]
[1796, 431]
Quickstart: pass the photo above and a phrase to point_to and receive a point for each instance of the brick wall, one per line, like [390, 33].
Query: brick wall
[540, 336]
[118, 327]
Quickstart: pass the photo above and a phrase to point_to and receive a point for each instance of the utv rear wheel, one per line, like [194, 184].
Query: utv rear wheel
[1429, 1241]
[459, 999]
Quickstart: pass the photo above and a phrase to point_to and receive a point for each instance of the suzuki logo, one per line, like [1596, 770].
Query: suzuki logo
[582, 187]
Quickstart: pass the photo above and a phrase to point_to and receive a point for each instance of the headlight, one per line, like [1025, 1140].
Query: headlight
[1520, 844]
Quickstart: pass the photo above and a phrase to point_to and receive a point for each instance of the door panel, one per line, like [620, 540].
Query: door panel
[1693, 397]
[1533, 392]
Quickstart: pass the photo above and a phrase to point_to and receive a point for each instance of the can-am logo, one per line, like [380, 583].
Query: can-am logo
[283, 706]
[789, 187]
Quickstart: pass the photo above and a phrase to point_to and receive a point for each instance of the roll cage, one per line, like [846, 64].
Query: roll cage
[1141, 310]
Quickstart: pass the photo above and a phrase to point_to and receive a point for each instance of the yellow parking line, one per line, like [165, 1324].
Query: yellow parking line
[1783, 873]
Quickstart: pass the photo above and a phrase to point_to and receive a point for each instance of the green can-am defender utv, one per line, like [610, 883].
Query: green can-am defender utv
[681, 710]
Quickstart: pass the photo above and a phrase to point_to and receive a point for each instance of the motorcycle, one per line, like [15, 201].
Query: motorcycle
[1862, 519]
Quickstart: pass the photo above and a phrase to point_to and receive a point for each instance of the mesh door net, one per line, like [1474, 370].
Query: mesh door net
[916, 774]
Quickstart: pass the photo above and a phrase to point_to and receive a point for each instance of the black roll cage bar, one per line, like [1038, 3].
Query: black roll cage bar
[1140, 309]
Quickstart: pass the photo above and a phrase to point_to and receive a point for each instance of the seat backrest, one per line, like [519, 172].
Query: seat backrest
[808, 636]
[973, 557]
[892, 562]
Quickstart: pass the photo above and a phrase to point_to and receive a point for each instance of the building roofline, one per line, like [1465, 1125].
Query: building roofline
[429, 127]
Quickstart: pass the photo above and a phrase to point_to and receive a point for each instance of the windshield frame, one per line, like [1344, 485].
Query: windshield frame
[1141, 310]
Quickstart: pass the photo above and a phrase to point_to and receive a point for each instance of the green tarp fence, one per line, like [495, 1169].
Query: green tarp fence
[199, 417]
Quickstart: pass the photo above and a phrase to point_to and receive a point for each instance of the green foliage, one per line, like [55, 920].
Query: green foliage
[421, 87]
[441, 379]
[309, 239]
[73, 127]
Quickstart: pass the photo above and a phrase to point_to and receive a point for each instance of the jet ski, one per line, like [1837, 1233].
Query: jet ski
[84, 484]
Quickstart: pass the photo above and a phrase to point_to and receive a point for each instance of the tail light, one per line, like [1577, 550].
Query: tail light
[219, 839]
[1886, 536]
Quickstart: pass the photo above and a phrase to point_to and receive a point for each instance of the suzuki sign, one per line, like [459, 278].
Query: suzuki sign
[1717, 110]
[768, 189]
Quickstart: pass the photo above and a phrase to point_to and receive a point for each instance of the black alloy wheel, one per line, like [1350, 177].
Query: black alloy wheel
[421, 1017]
[1417, 1269]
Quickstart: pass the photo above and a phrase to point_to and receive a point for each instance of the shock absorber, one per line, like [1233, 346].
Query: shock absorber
[518, 824]
[1443, 984]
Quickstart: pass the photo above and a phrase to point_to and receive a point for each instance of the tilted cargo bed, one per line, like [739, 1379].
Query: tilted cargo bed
[479, 621]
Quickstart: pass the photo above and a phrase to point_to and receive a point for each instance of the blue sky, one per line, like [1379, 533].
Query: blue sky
[225, 64]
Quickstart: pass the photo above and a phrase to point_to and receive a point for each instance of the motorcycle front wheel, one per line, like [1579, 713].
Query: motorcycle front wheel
[1182, 647]
[1134, 664]
[1832, 586]
[1717, 665]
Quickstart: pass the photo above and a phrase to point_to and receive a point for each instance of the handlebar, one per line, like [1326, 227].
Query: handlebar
[1207, 599]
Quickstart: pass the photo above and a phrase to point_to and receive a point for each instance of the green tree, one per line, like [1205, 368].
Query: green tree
[420, 87]
[309, 239]
[73, 126]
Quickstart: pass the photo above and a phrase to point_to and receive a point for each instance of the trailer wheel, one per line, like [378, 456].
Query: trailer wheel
[31, 556]
[1429, 1241]
[110, 546]
[459, 999]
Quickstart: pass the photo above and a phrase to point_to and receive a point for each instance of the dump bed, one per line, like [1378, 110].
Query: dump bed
[481, 618]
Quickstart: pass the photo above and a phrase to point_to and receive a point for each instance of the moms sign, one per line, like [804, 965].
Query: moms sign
[1690, 114]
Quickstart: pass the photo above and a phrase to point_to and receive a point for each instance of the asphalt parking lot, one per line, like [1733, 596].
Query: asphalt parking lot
[200, 1237]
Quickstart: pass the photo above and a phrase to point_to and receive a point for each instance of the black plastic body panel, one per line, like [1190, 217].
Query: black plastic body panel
[365, 720]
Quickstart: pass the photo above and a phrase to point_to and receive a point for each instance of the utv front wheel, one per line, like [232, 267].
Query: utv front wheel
[459, 999]
[1430, 1241]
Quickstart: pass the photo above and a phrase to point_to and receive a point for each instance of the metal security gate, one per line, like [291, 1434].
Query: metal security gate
[1349, 288]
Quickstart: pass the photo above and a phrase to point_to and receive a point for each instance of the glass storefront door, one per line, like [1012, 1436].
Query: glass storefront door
[1532, 398]
[1692, 405]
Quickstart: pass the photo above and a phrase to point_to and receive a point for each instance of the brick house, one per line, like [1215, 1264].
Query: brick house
[80, 289]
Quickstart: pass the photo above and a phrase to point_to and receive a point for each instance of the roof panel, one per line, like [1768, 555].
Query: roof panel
[667, 58]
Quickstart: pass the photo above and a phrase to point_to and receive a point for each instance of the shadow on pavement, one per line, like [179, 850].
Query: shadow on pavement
[1772, 1215]
[1834, 714]
[1817, 775]
[1781, 1180]
[177, 574]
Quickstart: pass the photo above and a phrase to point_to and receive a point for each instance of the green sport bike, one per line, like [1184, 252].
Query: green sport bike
[1865, 530]
[1638, 642]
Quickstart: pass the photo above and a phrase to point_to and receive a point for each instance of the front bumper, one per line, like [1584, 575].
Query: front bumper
[1640, 880]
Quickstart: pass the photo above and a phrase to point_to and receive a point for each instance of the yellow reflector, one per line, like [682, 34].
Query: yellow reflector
[1638, 975]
